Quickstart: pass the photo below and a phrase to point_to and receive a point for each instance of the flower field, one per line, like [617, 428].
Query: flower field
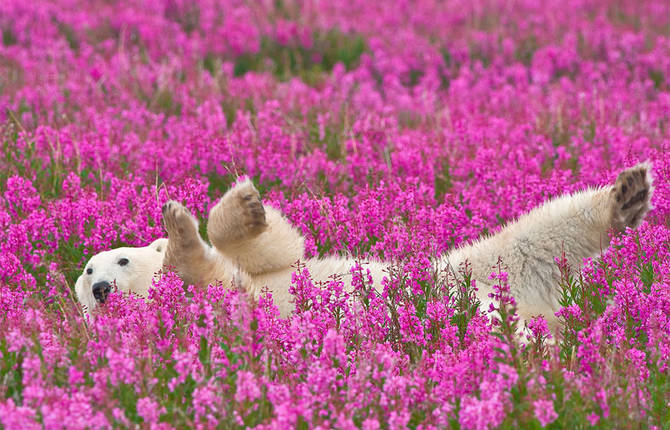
[393, 130]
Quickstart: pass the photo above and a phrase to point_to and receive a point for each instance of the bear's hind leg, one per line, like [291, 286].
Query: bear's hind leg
[631, 197]
[257, 239]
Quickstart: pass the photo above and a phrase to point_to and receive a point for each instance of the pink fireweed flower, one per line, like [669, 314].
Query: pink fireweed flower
[484, 413]
[149, 410]
[411, 329]
[538, 329]
[370, 424]
[504, 305]
[544, 411]
[247, 387]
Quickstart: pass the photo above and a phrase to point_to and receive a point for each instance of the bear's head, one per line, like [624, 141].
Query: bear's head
[126, 269]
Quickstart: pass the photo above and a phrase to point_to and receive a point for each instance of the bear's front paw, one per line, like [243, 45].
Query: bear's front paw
[252, 211]
[181, 226]
[239, 215]
[631, 196]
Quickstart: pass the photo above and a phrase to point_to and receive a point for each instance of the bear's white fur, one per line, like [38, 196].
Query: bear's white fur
[255, 247]
[135, 276]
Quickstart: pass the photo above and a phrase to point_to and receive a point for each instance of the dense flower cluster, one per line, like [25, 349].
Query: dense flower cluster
[395, 130]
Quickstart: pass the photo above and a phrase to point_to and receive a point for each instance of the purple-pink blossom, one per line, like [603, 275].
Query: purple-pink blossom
[544, 411]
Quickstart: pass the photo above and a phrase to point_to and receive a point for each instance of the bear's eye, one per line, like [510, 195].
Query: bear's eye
[123, 262]
[89, 271]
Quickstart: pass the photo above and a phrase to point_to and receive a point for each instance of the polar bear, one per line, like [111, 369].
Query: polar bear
[256, 248]
[114, 267]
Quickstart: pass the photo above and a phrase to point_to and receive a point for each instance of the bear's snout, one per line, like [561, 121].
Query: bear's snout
[101, 290]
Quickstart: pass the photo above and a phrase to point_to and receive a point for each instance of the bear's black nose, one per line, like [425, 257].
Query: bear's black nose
[101, 290]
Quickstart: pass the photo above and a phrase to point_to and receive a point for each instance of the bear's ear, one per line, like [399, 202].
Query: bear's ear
[159, 245]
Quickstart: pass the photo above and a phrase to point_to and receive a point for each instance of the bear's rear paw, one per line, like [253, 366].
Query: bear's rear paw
[181, 226]
[631, 196]
[238, 216]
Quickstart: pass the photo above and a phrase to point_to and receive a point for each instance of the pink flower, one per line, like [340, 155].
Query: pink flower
[247, 387]
[538, 328]
[544, 411]
[370, 424]
[484, 413]
[149, 410]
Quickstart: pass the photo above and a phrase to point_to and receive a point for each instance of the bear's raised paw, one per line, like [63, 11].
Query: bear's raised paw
[253, 212]
[181, 226]
[631, 196]
[238, 216]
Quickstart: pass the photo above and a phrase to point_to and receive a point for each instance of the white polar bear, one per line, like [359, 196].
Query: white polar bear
[131, 269]
[255, 247]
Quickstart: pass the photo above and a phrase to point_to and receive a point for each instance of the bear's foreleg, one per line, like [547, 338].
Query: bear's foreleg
[256, 238]
[195, 261]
